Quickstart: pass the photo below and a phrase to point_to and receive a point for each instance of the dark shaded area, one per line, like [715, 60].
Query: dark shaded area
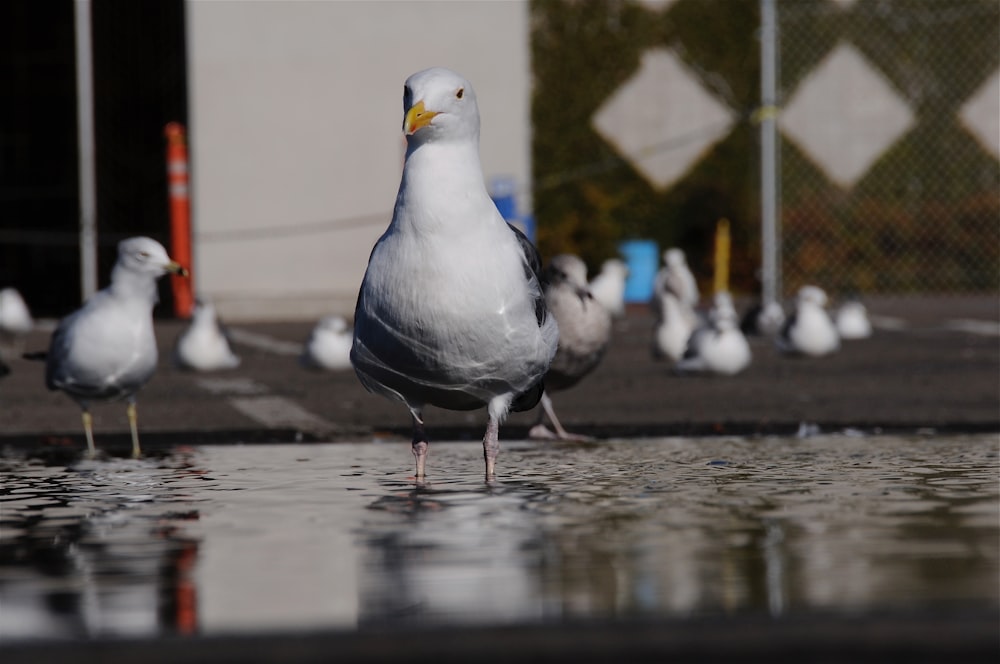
[139, 85]
[880, 638]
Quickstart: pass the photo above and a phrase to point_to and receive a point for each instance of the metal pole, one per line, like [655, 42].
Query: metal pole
[770, 279]
[85, 132]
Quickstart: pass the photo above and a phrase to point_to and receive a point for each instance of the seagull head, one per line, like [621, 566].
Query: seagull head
[143, 255]
[439, 104]
[674, 257]
[571, 271]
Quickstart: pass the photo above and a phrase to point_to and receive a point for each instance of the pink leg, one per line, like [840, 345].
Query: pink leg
[491, 446]
[420, 444]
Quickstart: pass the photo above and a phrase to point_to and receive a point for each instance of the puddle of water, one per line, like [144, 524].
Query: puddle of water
[217, 539]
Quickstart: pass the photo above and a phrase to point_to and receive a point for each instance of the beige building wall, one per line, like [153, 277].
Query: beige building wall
[296, 148]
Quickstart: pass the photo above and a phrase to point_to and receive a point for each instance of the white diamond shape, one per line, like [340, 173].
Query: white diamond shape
[661, 120]
[981, 114]
[845, 115]
[656, 5]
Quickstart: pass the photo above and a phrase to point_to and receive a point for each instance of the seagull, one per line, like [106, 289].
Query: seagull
[718, 347]
[329, 345]
[763, 319]
[852, 321]
[675, 276]
[203, 346]
[15, 319]
[608, 287]
[809, 330]
[584, 334]
[451, 311]
[673, 329]
[107, 349]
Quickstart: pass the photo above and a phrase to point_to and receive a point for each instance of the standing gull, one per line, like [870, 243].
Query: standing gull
[584, 334]
[107, 349]
[450, 311]
[852, 320]
[203, 346]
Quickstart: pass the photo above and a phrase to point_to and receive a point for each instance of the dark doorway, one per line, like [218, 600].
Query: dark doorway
[139, 85]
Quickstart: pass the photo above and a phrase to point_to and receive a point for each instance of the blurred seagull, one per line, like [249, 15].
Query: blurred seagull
[329, 345]
[809, 330]
[675, 276]
[852, 321]
[203, 346]
[608, 287]
[718, 347]
[15, 319]
[107, 349]
[673, 329]
[450, 311]
[584, 334]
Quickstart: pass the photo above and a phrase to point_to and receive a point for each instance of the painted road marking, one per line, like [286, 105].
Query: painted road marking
[263, 342]
[254, 400]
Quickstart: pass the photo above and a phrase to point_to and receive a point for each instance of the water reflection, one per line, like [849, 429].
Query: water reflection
[214, 539]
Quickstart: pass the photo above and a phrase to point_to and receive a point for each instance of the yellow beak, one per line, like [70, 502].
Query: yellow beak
[417, 118]
[175, 268]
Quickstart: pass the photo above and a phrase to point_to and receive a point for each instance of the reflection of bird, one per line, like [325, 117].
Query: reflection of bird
[718, 347]
[329, 345]
[670, 336]
[450, 311]
[809, 330]
[203, 346]
[584, 333]
[852, 321]
[107, 349]
[608, 287]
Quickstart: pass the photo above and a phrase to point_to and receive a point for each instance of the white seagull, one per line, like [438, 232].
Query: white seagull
[718, 347]
[673, 329]
[608, 287]
[675, 276]
[451, 312]
[329, 345]
[809, 330]
[15, 318]
[852, 321]
[107, 349]
[203, 345]
[584, 334]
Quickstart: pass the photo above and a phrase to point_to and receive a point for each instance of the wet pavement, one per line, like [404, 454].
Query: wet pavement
[698, 526]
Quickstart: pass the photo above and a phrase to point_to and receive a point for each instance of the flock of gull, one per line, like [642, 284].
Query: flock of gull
[455, 310]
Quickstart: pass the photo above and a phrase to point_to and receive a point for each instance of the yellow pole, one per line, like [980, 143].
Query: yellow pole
[722, 256]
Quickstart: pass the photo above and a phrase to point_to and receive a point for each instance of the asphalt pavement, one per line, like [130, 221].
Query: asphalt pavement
[933, 365]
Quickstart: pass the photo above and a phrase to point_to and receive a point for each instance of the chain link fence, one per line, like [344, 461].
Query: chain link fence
[888, 123]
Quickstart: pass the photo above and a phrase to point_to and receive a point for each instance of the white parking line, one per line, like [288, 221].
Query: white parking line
[255, 401]
[263, 342]
[986, 328]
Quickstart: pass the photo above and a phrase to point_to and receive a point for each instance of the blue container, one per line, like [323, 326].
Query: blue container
[643, 260]
[503, 191]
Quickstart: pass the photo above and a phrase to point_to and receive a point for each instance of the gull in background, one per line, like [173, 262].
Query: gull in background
[451, 311]
[584, 335]
[608, 287]
[675, 277]
[329, 345]
[852, 320]
[106, 350]
[203, 345]
[672, 330]
[718, 347]
[809, 330]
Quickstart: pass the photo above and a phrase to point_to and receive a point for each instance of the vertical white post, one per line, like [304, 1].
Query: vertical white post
[85, 131]
[770, 265]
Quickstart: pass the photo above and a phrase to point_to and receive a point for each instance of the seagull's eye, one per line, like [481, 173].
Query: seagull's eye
[460, 93]
[143, 254]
